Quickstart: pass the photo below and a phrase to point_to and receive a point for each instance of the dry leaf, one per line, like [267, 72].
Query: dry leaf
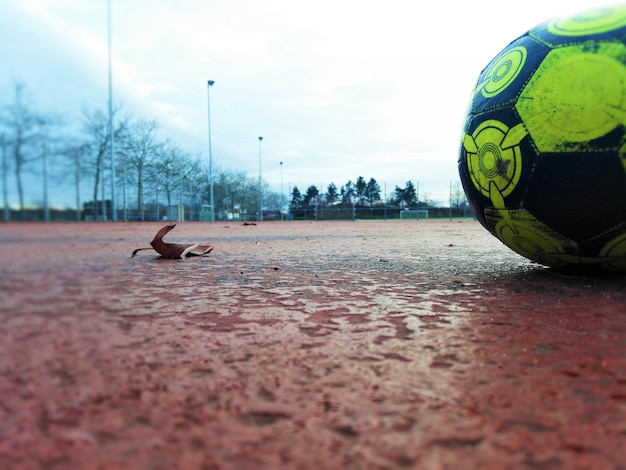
[175, 250]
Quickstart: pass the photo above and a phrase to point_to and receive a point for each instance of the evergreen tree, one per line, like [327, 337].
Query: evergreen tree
[348, 193]
[296, 199]
[331, 193]
[309, 198]
[405, 197]
[398, 198]
[372, 191]
[410, 195]
[360, 188]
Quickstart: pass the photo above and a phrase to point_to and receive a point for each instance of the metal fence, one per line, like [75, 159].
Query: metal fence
[199, 213]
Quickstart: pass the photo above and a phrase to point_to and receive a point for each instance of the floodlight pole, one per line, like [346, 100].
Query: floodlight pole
[282, 203]
[5, 187]
[450, 202]
[111, 153]
[385, 200]
[212, 213]
[260, 184]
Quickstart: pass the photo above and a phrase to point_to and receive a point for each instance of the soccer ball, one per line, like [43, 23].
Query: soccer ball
[543, 151]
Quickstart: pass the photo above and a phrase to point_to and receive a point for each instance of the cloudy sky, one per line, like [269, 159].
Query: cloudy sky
[337, 88]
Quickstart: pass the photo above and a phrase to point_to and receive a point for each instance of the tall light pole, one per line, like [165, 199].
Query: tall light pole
[450, 201]
[208, 95]
[282, 203]
[260, 184]
[5, 173]
[111, 153]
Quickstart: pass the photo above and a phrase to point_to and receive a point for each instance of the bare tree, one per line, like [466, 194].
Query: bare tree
[194, 181]
[51, 142]
[5, 178]
[140, 147]
[171, 166]
[96, 129]
[23, 135]
[274, 201]
[236, 195]
[74, 153]
[457, 195]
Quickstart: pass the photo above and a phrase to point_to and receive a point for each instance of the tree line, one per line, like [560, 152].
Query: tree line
[359, 194]
[152, 174]
[363, 199]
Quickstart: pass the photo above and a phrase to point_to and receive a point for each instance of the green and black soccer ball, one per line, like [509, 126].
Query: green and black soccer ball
[543, 152]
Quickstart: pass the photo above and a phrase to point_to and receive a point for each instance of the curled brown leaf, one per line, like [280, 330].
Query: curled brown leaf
[175, 250]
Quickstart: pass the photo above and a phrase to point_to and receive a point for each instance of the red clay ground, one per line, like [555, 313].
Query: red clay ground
[304, 346]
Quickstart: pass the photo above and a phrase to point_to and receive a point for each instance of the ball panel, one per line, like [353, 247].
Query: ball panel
[528, 236]
[606, 23]
[498, 159]
[582, 186]
[501, 81]
[584, 89]
[493, 157]
[613, 253]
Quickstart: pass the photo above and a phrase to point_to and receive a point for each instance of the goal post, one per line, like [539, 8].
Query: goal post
[414, 214]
